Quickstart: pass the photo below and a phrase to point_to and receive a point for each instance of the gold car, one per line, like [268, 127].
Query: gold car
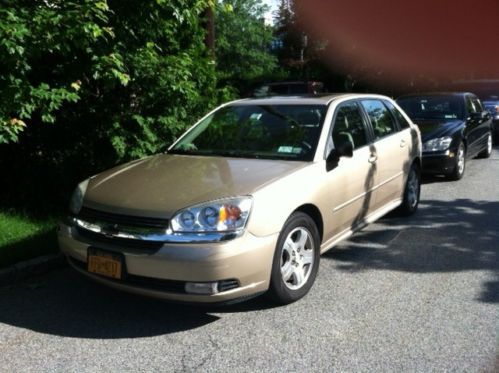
[246, 200]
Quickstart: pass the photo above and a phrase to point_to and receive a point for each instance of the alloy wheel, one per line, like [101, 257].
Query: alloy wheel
[460, 159]
[297, 258]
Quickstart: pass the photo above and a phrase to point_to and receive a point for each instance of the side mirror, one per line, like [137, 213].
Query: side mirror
[343, 147]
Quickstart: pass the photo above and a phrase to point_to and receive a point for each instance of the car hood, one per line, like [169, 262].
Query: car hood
[432, 129]
[160, 185]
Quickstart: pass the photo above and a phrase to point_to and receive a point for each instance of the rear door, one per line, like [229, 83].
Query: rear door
[472, 131]
[484, 123]
[390, 150]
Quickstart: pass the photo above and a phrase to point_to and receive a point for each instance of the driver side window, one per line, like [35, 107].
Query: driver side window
[349, 123]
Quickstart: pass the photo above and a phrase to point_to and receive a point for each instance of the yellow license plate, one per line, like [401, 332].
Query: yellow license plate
[105, 265]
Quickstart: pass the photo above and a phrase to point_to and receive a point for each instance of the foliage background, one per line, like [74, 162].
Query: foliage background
[88, 84]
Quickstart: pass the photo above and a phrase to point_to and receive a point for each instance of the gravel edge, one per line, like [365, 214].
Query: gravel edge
[34, 267]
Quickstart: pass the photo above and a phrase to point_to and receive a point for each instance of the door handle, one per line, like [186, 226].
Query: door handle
[373, 159]
[402, 143]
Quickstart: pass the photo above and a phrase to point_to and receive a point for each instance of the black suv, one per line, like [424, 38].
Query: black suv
[454, 127]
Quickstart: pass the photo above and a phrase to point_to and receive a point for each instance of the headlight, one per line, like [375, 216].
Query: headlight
[437, 145]
[226, 215]
[76, 201]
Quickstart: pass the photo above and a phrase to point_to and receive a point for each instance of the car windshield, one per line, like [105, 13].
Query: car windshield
[257, 131]
[433, 107]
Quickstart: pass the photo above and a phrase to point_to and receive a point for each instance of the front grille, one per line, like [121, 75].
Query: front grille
[92, 215]
[94, 238]
[102, 218]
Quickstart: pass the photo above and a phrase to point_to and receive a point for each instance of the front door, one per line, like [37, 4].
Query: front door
[351, 182]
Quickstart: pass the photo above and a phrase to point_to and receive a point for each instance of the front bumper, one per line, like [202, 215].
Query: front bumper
[439, 162]
[163, 272]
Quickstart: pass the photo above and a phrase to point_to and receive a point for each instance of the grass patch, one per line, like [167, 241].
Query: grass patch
[23, 238]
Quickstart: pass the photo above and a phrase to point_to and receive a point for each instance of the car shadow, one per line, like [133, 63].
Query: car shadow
[452, 236]
[67, 304]
[431, 179]
[43, 243]
[64, 303]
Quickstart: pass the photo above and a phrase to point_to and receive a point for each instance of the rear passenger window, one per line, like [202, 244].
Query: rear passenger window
[403, 123]
[348, 123]
[381, 119]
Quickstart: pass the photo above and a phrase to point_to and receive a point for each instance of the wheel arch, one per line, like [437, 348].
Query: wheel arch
[315, 214]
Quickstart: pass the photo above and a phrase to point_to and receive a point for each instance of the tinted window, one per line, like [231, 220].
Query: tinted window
[477, 104]
[381, 119]
[433, 107]
[403, 123]
[349, 122]
[297, 88]
[279, 89]
[470, 105]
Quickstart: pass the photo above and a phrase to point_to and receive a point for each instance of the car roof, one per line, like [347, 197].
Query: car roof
[292, 82]
[323, 99]
[436, 94]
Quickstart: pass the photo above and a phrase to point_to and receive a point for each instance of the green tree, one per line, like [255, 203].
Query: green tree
[301, 52]
[93, 83]
[243, 40]
[140, 65]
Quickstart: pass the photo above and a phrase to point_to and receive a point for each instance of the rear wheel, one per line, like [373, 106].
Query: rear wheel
[296, 259]
[412, 192]
[488, 150]
[460, 163]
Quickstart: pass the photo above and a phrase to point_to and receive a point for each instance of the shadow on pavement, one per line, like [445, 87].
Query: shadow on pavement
[459, 235]
[66, 304]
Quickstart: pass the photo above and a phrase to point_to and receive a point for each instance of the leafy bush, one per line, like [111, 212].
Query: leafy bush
[87, 84]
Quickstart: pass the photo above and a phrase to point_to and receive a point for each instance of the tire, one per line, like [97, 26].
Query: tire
[412, 192]
[458, 171]
[296, 260]
[488, 150]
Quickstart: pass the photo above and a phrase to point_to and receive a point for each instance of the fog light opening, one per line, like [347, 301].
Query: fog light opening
[201, 288]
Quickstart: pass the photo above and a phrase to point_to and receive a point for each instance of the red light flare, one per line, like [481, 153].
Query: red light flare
[442, 38]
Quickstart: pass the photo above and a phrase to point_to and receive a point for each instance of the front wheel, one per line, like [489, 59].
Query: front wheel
[460, 164]
[296, 259]
[412, 192]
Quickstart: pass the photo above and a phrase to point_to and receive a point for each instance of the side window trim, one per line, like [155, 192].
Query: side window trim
[367, 127]
[398, 127]
[367, 121]
[469, 105]
[374, 138]
[391, 108]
